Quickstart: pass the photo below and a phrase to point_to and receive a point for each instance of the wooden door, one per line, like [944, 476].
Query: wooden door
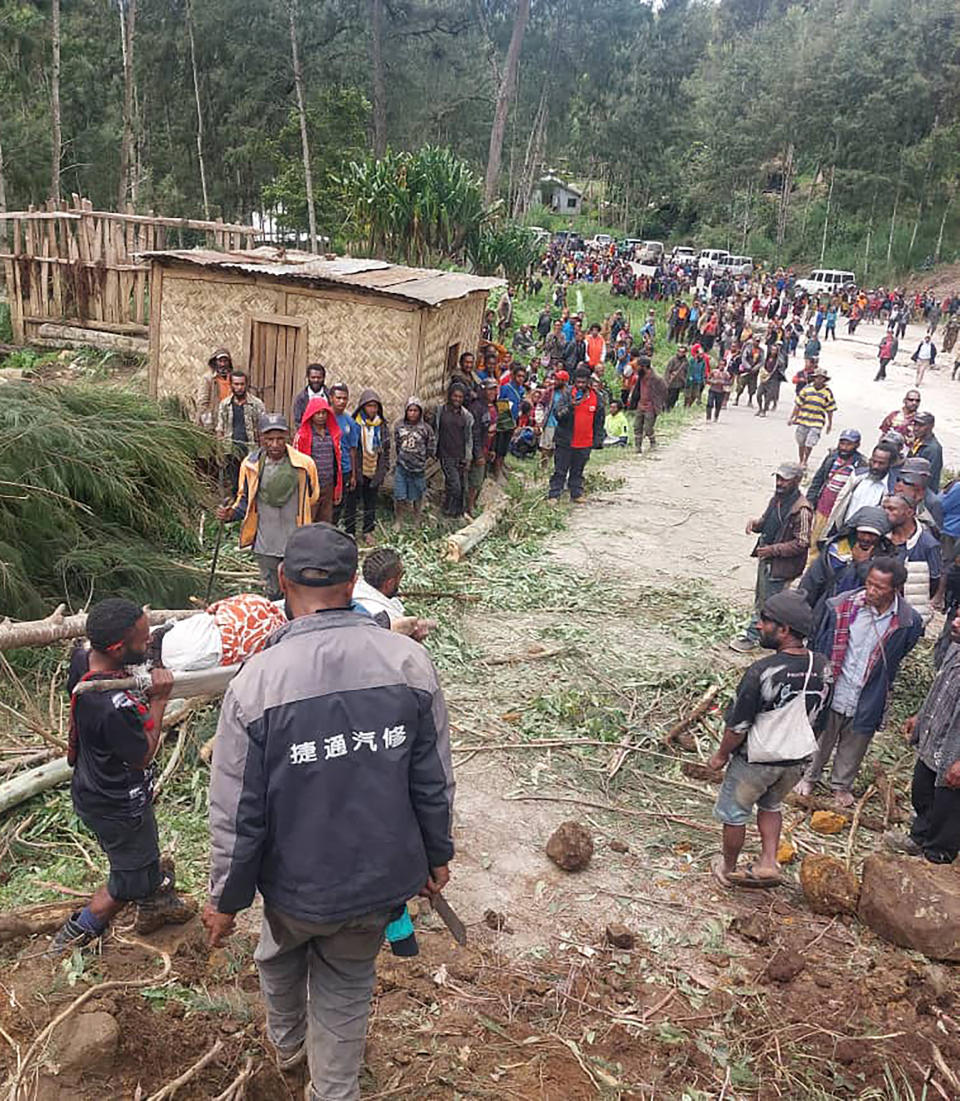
[277, 360]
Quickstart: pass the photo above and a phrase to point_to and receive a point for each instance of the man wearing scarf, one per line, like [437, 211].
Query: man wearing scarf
[782, 548]
[277, 493]
[374, 456]
[319, 437]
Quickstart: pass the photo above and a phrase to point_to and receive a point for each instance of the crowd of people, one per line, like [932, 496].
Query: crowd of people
[336, 722]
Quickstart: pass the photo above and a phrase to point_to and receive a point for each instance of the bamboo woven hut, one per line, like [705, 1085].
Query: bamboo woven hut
[400, 330]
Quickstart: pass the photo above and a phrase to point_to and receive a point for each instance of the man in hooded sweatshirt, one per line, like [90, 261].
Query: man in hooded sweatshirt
[319, 437]
[416, 443]
[454, 424]
[374, 456]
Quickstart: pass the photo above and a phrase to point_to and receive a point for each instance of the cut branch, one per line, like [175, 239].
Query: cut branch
[56, 628]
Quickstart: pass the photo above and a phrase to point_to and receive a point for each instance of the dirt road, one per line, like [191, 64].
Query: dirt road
[683, 510]
[680, 514]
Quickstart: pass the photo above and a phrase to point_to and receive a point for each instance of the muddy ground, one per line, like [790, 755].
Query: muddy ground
[540, 1005]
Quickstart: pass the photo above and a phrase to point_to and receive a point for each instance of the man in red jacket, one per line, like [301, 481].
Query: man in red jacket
[580, 416]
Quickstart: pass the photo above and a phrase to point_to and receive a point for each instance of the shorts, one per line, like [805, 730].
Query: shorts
[747, 785]
[546, 438]
[501, 443]
[949, 548]
[132, 848]
[806, 436]
[476, 474]
[407, 486]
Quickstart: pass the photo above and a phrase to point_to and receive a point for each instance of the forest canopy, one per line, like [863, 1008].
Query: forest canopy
[788, 129]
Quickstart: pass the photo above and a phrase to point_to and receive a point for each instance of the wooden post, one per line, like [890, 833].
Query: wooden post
[156, 298]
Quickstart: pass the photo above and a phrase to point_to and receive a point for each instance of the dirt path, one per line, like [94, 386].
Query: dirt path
[680, 514]
[682, 511]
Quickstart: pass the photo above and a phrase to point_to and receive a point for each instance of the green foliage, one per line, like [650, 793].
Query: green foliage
[6, 328]
[419, 207]
[336, 130]
[97, 489]
[510, 248]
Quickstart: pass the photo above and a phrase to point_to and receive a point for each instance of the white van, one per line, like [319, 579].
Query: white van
[602, 240]
[682, 254]
[738, 265]
[651, 252]
[827, 281]
[712, 258]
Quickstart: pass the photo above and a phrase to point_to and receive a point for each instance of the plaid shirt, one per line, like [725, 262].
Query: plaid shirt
[847, 611]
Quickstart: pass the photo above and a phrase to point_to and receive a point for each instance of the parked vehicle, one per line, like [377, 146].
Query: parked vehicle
[737, 265]
[539, 233]
[651, 252]
[601, 240]
[827, 281]
[683, 254]
[712, 258]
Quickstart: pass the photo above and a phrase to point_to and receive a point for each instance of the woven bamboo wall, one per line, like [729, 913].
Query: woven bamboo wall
[455, 322]
[362, 343]
[197, 316]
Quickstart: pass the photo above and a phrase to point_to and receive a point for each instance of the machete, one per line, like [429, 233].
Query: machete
[445, 911]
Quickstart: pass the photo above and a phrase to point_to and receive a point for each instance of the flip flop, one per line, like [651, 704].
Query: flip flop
[716, 866]
[748, 878]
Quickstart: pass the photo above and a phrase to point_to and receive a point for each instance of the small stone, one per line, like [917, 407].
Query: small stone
[785, 965]
[85, 1041]
[753, 927]
[829, 886]
[828, 821]
[786, 852]
[620, 936]
[618, 846]
[493, 919]
[847, 1051]
[570, 846]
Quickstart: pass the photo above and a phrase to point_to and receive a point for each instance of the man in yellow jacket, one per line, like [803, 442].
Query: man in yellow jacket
[276, 494]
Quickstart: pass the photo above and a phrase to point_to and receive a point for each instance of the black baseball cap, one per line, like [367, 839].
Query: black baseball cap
[319, 555]
[790, 609]
[273, 422]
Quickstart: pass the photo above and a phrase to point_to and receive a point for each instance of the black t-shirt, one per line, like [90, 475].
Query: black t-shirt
[772, 682]
[110, 735]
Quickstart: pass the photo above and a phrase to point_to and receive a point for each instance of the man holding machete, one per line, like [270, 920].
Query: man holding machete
[331, 791]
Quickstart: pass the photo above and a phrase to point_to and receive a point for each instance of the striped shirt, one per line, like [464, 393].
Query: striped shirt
[813, 405]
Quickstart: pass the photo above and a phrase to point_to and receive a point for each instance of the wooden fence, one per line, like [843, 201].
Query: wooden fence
[74, 266]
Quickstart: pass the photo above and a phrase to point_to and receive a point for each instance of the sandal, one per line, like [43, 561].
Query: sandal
[747, 877]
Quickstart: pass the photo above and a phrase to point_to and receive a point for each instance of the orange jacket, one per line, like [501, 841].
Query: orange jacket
[245, 505]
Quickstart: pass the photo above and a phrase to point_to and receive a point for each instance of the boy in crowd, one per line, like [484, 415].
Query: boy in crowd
[416, 443]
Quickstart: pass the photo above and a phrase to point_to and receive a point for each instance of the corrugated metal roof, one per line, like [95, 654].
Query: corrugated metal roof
[425, 285]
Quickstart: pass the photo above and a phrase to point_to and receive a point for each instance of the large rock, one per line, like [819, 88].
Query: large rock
[913, 903]
[828, 885]
[570, 846]
[86, 1041]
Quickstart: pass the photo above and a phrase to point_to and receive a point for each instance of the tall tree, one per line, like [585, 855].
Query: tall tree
[57, 143]
[196, 96]
[302, 111]
[508, 82]
[379, 92]
[128, 19]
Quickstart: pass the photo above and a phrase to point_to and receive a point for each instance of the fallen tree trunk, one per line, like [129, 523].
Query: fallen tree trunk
[462, 542]
[51, 335]
[46, 918]
[32, 782]
[43, 632]
[193, 683]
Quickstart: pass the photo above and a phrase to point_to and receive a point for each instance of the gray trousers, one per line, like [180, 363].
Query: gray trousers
[267, 565]
[317, 982]
[766, 587]
[851, 749]
[643, 425]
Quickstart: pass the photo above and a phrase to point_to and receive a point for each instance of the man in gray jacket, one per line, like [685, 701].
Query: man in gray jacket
[331, 793]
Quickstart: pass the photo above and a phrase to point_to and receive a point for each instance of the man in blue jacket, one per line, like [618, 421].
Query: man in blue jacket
[865, 634]
[331, 792]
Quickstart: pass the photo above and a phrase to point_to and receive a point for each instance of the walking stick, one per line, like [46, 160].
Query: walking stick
[216, 546]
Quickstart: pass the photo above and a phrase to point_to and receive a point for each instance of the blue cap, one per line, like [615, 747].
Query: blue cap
[851, 434]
